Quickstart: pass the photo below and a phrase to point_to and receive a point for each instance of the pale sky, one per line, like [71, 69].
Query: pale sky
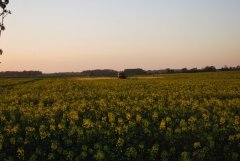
[76, 35]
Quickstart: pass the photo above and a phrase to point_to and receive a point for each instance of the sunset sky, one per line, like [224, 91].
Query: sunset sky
[76, 35]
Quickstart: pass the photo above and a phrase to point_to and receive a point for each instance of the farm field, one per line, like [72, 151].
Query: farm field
[177, 117]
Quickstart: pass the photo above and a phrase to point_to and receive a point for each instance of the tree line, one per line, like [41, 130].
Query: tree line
[21, 73]
[114, 73]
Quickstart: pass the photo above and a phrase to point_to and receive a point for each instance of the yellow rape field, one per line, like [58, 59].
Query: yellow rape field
[178, 117]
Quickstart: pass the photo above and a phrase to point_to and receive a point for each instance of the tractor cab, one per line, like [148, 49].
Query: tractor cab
[122, 75]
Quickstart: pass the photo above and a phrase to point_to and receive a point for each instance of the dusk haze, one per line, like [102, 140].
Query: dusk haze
[120, 80]
[77, 35]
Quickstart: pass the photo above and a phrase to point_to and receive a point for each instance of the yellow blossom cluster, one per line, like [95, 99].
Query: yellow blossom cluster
[177, 117]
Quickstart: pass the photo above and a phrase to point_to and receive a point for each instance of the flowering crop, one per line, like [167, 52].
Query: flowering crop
[170, 118]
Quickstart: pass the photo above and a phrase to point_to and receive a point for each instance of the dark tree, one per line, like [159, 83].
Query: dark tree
[168, 70]
[193, 70]
[184, 70]
[238, 68]
[225, 68]
[99, 73]
[3, 3]
[209, 69]
[3, 14]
